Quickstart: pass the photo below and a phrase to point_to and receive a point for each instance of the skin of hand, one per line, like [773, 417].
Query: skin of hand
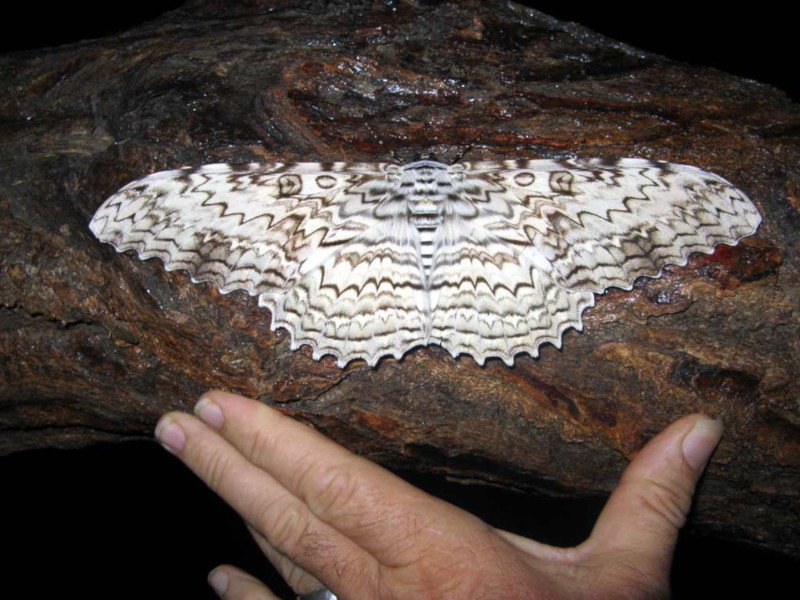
[326, 517]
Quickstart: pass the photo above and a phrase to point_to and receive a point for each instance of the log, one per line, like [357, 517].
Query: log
[95, 346]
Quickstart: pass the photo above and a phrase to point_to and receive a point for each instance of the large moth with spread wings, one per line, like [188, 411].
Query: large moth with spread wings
[364, 260]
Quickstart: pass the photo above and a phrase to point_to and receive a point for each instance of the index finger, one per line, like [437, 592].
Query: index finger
[380, 512]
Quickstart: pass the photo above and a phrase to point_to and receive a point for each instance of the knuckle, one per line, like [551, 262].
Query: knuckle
[669, 503]
[216, 467]
[331, 492]
[287, 524]
[260, 446]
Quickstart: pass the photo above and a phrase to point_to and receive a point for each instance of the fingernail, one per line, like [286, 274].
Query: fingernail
[209, 413]
[170, 435]
[218, 580]
[701, 441]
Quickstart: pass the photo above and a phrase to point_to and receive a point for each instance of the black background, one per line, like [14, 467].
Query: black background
[127, 521]
[757, 43]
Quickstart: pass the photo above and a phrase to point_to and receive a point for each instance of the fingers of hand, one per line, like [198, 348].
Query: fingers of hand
[231, 583]
[377, 510]
[284, 520]
[343, 520]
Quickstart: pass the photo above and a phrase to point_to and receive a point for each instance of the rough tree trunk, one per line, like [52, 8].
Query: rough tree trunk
[95, 345]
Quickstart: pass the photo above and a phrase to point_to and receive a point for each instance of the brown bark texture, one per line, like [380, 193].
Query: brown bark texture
[95, 345]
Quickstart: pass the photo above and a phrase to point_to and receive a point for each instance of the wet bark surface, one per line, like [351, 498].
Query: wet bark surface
[94, 346]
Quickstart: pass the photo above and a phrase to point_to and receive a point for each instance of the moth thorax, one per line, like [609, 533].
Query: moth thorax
[426, 213]
[430, 187]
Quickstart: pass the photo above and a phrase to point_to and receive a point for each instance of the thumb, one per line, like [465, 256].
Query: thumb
[640, 522]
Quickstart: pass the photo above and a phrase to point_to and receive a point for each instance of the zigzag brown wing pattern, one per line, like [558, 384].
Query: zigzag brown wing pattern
[595, 224]
[489, 301]
[489, 259]
[302, 236]
[366, 301]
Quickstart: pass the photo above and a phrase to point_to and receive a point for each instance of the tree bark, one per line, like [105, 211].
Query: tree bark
[94, 346]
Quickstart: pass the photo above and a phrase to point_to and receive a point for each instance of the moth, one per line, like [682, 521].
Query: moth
[365, 260]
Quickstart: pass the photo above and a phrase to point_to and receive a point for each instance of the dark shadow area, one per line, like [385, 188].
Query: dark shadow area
[754, 44]
[128, 521]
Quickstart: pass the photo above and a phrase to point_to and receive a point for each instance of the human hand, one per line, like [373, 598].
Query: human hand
[328, 518]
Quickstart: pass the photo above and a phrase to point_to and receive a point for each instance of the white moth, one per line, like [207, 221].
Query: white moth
[364, 260]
